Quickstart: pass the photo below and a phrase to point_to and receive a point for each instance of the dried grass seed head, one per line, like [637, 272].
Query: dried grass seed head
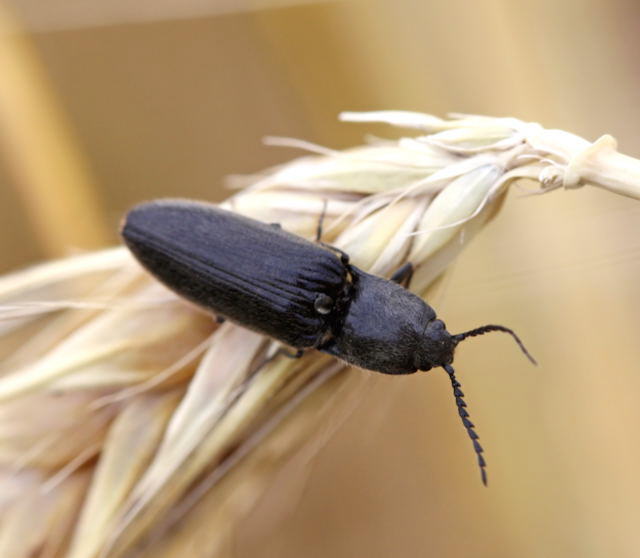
[445, 183]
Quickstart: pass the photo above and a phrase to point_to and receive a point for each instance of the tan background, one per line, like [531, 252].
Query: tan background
[168, 101]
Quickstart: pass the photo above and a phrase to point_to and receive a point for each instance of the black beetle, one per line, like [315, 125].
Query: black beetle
[302, 293]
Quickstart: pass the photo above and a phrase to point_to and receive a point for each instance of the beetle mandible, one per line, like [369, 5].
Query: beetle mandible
[305, 294]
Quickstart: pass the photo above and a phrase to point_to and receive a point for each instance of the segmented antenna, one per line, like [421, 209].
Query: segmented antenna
[486, 329]
[464, 415]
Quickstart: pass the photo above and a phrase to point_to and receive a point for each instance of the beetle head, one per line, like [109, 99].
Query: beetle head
[436, 346]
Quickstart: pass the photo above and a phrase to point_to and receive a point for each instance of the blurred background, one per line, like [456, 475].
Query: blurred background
[136, 100]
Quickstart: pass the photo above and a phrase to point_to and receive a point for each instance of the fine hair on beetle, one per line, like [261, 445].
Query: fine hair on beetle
[304, 294]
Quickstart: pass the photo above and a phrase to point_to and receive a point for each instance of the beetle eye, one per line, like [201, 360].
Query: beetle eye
[323, 304]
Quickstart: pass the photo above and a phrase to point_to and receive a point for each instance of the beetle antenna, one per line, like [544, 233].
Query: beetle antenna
[486, 329]
[464, 415]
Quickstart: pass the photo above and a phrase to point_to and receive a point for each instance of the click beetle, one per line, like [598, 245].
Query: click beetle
[305, 294]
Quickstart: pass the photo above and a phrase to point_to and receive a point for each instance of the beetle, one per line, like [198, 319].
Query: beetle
[304, 294]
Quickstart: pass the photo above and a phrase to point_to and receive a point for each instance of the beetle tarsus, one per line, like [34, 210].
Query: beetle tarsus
[325, 202]
[403, 275]
[289, 354]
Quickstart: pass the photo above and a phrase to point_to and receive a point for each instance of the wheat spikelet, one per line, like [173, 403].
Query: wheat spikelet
[125, 412]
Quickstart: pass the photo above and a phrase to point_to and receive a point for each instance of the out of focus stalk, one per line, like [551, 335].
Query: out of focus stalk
[35, 141]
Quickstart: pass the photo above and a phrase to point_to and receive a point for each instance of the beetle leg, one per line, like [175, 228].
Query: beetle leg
[403, 275]
[325, 202]
[329, 347]
[284, 352]
[344, 257]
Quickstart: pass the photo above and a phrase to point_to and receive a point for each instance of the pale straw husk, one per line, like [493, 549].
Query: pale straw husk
[132, 424]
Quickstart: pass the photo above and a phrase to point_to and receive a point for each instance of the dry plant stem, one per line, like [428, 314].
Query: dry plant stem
[571, 160]
[611, 170]
[181, 424]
